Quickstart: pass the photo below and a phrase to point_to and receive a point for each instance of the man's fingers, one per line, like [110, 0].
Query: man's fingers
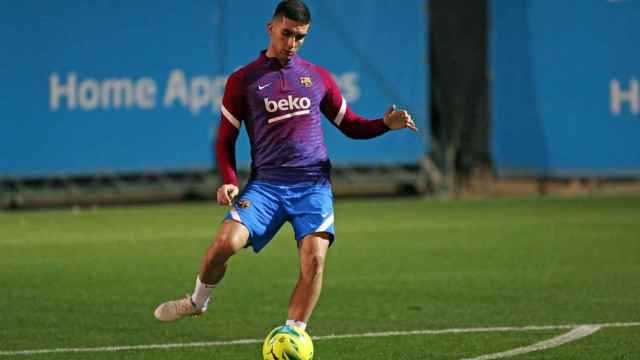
[222, 197]
[226, 194]
[231, 195]
[411, 124]
[408, 122]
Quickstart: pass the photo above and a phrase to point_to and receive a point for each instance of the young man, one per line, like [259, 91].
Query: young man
[281, 99]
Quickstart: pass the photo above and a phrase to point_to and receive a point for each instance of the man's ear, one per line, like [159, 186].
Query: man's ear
[269, 27]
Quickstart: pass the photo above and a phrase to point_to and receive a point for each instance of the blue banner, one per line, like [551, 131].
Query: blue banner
[119, 86]
[566, 94]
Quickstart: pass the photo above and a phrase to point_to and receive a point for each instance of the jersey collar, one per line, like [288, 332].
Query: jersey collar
[275, 63]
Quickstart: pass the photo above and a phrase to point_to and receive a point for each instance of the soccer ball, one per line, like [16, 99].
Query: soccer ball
[287, 343]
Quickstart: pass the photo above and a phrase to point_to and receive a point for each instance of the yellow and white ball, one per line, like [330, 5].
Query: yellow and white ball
[287, 343]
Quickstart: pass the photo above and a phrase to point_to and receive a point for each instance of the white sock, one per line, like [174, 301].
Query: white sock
[201, 294]
[300, 324]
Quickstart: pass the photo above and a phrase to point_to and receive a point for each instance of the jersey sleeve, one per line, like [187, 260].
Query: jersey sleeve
[232, 111]
[334, 106]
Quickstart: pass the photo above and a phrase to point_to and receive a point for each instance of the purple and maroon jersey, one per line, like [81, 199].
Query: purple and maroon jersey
[282, 107]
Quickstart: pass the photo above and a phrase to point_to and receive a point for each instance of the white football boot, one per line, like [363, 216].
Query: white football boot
[177, 309]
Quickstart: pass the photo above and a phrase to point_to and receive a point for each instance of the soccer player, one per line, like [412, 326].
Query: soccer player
[281, 99]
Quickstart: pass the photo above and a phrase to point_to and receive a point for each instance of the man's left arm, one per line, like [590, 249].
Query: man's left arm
[334, 106]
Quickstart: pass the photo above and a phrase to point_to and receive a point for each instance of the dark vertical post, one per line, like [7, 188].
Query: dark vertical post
[459, 88]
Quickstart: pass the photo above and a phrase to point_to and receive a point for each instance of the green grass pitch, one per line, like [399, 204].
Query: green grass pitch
[92, 278]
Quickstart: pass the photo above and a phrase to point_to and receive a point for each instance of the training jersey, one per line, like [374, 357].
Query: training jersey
[282, 109]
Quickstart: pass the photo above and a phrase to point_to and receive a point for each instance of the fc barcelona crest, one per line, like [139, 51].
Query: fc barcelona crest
[244, 204]
[306, 81]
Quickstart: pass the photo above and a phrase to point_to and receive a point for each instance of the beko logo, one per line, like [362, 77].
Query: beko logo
[290, 103]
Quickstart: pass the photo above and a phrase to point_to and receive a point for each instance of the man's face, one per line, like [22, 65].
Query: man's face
[286, 37]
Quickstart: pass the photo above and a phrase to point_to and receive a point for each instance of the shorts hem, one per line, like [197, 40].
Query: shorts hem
[332, 236]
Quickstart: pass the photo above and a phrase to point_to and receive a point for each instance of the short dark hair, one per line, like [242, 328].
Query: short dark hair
[295, 10]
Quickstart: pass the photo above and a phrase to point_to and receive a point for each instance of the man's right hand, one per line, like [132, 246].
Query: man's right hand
[227, 193]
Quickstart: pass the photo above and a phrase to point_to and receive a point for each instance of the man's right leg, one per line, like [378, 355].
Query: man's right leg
[231, 237]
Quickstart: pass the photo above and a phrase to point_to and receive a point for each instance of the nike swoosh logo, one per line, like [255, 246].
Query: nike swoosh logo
[260, 87]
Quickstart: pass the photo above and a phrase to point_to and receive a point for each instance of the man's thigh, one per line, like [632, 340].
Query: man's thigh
[311, 211]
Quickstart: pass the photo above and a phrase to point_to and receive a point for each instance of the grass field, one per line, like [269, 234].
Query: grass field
[91, 279]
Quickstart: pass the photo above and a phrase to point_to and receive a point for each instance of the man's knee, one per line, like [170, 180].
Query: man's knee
[312, 255]
[312, 265]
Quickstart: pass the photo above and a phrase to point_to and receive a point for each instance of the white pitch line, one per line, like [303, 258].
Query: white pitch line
[573, 335]
[315, 338]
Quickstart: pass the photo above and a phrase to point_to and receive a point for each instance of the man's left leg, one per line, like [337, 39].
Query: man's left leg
[313, 250]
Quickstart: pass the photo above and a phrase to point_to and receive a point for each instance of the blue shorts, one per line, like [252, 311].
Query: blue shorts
[264, 207]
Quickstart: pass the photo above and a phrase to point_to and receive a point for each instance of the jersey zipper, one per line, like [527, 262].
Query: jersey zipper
[283, 82]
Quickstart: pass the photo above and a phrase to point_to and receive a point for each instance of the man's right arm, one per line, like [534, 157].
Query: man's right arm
[226, 158]
[231, 109]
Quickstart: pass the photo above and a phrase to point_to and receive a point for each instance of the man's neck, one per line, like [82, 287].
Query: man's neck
[270, 54]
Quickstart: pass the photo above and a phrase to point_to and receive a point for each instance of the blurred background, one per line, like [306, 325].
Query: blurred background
[117, 102]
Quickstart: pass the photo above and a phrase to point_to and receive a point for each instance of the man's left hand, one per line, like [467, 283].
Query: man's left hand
[398, 119]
